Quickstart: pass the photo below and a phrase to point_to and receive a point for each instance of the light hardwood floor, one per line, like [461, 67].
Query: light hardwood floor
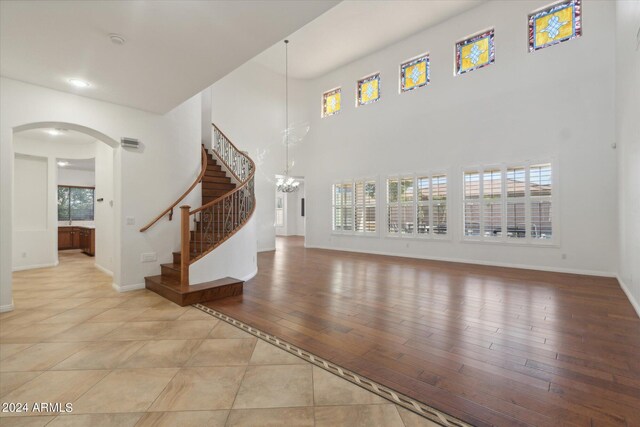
[136, 359]
[493, 346]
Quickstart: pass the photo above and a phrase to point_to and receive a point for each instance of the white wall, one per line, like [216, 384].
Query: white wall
[248, 106]
[146, 180]
[234, 258]
[39, 248]
[104, 212]
[30, 226]
[556, 103]
[77, 177]
[628, 141]
[30, 190]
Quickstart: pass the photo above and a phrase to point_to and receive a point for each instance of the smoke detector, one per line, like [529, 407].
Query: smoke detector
[117, 39]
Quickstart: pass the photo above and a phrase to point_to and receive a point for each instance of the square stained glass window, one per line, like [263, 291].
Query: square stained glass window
[555, 24]
[368, 90]
[415, 73]
[475, 52]
[331, 102]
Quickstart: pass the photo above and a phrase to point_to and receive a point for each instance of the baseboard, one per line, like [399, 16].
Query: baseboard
[475, 262]
[6, 308]
[33, 267]
[272, 248]
[250, 275]
[629, 295]
[128, 288]
[104, 270]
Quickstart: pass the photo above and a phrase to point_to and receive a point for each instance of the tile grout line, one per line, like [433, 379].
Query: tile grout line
[244, 374]
[146, 410]
[400, 399]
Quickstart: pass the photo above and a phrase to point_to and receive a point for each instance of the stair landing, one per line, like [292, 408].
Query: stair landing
[202, 292]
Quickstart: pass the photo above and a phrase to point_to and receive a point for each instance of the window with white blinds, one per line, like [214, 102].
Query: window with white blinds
[508, 203]
[355, 206]
[417, 205]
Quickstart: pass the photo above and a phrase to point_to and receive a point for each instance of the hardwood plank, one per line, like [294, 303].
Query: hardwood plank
[492, 346]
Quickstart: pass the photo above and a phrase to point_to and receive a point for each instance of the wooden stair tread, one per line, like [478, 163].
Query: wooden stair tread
[202, 292]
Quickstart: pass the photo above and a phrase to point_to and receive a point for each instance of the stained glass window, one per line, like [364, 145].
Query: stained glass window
[554, 24]
[414, 73]
[369, 89]
[475, 52]
[331, 102]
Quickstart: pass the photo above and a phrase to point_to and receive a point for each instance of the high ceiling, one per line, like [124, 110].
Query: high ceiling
[354, 29]
[173, 49]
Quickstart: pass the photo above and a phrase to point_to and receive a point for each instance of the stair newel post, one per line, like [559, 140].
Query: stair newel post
[185, 246]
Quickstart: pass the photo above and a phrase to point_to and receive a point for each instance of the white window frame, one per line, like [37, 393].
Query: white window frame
[354, 205]
[415, 203]
[527, 199]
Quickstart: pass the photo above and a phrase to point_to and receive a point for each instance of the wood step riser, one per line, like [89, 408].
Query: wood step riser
[208, 228]
[170, 272]
[195, 242]
[193, 295]
[177, 256]
[214, 175]
[209, 199]
[215, 180]
[213, 171]
[197, 248]
[216, 189]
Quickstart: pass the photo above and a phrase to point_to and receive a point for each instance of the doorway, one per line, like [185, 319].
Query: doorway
[290, 211]
[62, 197]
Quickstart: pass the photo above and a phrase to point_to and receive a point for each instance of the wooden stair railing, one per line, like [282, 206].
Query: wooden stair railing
[218, 220]
[169, 210]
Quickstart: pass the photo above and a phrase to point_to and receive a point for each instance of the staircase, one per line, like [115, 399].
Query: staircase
[228, 202]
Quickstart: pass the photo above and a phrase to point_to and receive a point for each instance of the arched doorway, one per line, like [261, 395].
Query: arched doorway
[50, 142]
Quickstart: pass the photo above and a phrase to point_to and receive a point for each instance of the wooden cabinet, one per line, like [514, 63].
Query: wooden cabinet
[88, 241]
[65, 238]
[83, 239]
[77, 238]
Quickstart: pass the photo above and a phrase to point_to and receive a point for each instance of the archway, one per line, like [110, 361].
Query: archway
[107, 217]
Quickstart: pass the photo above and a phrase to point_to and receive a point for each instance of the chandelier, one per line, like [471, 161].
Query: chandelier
[286, 183]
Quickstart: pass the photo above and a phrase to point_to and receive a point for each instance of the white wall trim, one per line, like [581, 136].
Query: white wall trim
[475, 262]
[250, 275]
[267, 249]
[104, 270]
[128, 288]
[32, 267]
[7, 308]
[629, 295]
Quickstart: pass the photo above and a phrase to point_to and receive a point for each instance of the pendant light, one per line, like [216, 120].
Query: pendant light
[286, 183]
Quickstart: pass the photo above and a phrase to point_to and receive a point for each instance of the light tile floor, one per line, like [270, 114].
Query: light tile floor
[136, 359]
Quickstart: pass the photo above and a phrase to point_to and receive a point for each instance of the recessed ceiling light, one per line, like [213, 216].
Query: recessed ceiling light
[81, 84]
[54, 132]
[117, 39]
[63, 164]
